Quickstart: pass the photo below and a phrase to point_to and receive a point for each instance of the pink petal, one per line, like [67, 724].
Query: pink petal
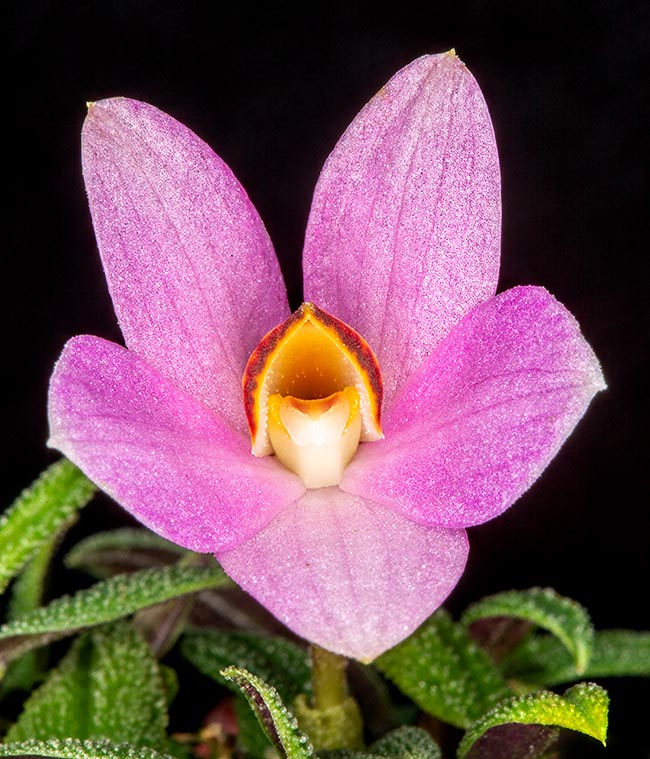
[166, 457]
[403, 237]
[191, 270]
[347, 574]
[477, 424]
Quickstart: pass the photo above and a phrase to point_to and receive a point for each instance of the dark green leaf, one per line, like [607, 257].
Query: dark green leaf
[561, 616]
[498, 636]
[162, 625]
[128, 549]
[27, 589]
[27, 595]
[583, 708]
[278, 722]
[107, 686]
[514, 741]
[106, 601]
[406, 743]
[381, 712]
[402, 743]
[616, 653]
[38, 513]
[252, 740]
[444, 672]
[76, 749]
[170, 682]
[270, 658]
[231, 608]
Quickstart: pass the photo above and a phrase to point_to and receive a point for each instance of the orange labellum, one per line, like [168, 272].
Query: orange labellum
[311, 357]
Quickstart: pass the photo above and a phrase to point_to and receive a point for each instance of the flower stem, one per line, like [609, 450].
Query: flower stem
[332, 719]
[328, 678]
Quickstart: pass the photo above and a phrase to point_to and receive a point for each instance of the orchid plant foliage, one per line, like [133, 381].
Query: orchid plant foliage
[331, 459]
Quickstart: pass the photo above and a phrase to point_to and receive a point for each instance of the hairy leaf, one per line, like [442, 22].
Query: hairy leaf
[406, 743]
[278, 722]
[72, 748]
[127, 549]
[252, 740]
[108, 685]
[275, 659]
[561, 616]
[27, 595]
[498, 636]
[583, 708]
[269, 657]
[38, 513]
[444, 672]
[515, 741]
[616, 653]
[163, 624]
[107, 601]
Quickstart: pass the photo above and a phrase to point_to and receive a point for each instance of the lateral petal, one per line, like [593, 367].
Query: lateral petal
[345, 573]
[477, 424]
[190, 267]
[404, 232]
[164, 456]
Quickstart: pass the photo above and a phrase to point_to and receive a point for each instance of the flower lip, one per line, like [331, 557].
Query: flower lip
[316, 439]
[310, 356]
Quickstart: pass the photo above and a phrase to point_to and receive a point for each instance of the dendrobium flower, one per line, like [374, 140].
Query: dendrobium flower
[347, 519]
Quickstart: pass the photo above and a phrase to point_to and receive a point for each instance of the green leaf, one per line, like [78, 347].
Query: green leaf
[444, 672]
[616, 653]
[28, 587]
[106, 601]
[252, 740]
[76, 749]
[561, 616]
[406, 743]
[402, 743]
[582, 708]
[170, 682]
[277, 721]
[105, 554]
[162, 625]
[107, 685]
[38, 513]
[27, 595]
[270, 658]
[516, 741]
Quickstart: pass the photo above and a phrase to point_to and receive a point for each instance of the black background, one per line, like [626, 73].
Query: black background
[271, 89]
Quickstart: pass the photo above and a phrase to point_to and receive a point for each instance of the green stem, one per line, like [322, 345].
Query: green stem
[332, 720]
[328, 678]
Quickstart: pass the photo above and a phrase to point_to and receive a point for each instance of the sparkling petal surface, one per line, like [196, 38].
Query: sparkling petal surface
[191, 270]
[477, 424]
[350, 575]
[403, 236]
[166, 457]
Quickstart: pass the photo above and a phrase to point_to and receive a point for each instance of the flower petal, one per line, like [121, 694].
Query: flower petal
[164, 456]
[403, 236]
[353, 577]
[477, 424]
[191, 270]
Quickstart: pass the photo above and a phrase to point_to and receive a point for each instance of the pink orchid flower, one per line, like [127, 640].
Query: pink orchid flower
[402, 246]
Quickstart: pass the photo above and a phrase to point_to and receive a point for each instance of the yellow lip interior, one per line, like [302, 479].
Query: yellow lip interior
[312, 392]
